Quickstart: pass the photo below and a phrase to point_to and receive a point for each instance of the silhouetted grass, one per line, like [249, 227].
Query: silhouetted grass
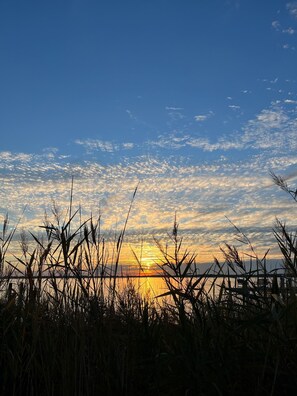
[81, 335]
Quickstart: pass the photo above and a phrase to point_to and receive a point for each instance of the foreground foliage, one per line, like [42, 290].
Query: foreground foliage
[87, 336]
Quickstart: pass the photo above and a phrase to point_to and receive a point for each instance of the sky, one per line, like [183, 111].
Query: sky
[193, 101]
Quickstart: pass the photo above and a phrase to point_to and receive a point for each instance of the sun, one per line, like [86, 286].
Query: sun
[146, 258]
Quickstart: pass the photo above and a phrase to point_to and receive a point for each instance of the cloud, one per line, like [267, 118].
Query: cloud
[289, 30]
[292, 8]
[175, 114]
[174, 108]
[234, 107]
[131, 115]
[203, 117]
[276, 25]
[288, 46]
[7, 156]
[177, 142]
[50, 152]
[128, 146]
[170, 141]
[290, 101]
[95, 145]
[206, 145]
[202, 193]
[271, 118]
[53, 150]
[92, 145]
[273, 128]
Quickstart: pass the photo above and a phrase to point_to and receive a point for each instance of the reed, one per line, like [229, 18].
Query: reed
[83, 334]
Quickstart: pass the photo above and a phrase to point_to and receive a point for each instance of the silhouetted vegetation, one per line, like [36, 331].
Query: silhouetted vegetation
[84, 335]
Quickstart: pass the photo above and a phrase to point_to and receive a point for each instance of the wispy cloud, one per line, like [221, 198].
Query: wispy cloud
[287, 46]
[177, 142]
[273, 128]
[292, 8]
[52, 150]
[234, 107]
[170, 141]
[131, 115]
[270, 118]
[175, 113]
[203, 117]
[290, 101]
[7, 156]
[206, 145]
[276, 25]
[94, 145]
[289, 30]
[103, 145]
[128, 146]
[173, 108]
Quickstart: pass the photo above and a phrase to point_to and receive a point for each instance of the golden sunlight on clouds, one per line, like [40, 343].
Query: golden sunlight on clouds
[204, 199]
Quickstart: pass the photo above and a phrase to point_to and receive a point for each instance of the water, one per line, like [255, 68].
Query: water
[148, 287]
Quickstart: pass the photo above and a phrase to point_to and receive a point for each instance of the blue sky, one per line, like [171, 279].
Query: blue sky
[194, 99]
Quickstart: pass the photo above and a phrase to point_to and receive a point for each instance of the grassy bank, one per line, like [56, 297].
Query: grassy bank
[87, 337]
